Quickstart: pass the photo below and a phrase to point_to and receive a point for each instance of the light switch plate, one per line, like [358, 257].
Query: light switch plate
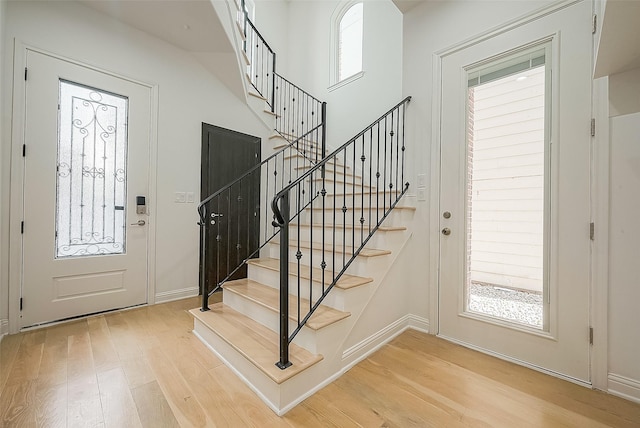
[422, 180]
[422, 194]
[191, 197]
[180, 197]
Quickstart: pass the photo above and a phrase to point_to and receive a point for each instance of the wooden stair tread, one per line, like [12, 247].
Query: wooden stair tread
[255, 342]
[345, 282]
[365, 252]
[256, 95]
[269, 298]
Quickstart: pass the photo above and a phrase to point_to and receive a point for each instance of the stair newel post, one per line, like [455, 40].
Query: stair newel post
[284, 283]
[203, 251]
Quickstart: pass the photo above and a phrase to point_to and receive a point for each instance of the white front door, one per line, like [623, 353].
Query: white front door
[515, 193]
[86, 162]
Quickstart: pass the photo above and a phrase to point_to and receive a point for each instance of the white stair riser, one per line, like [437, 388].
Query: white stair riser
[337, 298]
[361, 266]
[399, 217]
[306, 337]
[380, 239]
[315, 341]
[363, 198]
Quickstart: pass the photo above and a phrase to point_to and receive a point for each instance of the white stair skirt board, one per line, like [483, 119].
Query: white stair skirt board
[366, 347]
[4, 328]
[183, 293]
[624, 387]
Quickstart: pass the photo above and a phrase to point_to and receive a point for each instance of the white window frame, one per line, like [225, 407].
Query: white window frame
[334, 54]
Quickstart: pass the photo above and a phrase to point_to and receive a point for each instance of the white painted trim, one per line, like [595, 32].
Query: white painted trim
[624, 387]
[4, 328]
[600, 245]
[346, 81]
[371, 344]
[435, 190]
[183, 293]
[516, 361]
[17, 174]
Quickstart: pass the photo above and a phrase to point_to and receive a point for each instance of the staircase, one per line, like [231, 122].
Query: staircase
[335, 224]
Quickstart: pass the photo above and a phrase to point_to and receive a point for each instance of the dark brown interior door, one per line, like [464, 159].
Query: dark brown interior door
[234, 235]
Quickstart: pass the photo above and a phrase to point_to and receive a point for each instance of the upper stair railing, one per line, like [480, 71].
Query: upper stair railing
[231, 231]
[354, 190]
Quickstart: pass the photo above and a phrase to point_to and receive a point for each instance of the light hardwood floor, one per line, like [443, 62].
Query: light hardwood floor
[144, 368]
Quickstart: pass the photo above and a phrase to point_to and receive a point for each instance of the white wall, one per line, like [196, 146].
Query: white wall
[188, 95]
[352, 107]
[4, 181]
[271, 19]
[624, 235]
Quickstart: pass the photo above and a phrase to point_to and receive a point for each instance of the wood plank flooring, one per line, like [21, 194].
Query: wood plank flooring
[144, 368]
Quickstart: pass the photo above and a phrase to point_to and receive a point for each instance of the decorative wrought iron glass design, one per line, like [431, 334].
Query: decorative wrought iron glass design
[91, 172]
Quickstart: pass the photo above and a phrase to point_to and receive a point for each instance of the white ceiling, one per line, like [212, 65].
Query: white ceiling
[192, 25]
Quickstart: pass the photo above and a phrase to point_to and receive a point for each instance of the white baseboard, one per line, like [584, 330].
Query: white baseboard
[371, 344]
[4, 328]
[183, 293]
[624, 387]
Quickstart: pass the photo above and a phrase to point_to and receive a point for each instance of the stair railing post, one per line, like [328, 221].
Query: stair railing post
[203, 262]
[284, 283]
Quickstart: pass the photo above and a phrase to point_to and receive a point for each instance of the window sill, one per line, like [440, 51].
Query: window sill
[346, 81]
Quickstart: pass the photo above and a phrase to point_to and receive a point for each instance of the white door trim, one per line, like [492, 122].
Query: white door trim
[17, 176]
[600, 246]
[599, 276]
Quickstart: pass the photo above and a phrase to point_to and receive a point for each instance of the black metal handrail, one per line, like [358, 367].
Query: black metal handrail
[231, 208]
[364, 177]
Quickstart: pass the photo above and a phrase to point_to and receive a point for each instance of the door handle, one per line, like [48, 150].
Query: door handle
[446, 231]
[139, 223]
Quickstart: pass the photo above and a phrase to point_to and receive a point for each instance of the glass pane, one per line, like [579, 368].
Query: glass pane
[350, 43]
[506, 198]
[91, 165]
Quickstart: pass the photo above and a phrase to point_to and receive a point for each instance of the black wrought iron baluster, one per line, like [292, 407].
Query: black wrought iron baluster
[344, 207]
[239, 238]
[267, 224]
[298, 253]
[391, 135]
[311, 194]
[363, 158]
[335, 204]
[384, 175]
[273, 84]
[370, 173]
[228, 215]
[323, 265]
[378, 178]
[353, 200]
[404, 111]
[218, 240]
